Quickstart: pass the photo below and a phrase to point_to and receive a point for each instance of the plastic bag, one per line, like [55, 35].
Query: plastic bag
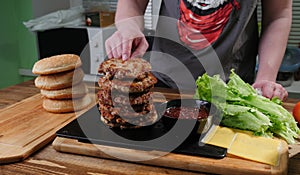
[62, 18]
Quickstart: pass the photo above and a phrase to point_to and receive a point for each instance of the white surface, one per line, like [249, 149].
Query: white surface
[91, 78]
[96, 44]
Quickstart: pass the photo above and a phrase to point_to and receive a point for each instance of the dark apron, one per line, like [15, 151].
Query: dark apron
[178, 66]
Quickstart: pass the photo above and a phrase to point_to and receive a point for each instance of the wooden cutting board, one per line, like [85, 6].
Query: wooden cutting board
[228, 165]
[26, 127]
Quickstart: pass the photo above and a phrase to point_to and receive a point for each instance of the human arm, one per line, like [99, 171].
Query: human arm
[129, 40]
[276, 23]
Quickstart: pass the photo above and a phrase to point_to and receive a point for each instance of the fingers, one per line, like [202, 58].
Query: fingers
[113, 46]
[278, 93]
[271, 89]
[281, 93]
[108, 49]
[268, 90]
[119, 46]
[141, 49]
[126, 49]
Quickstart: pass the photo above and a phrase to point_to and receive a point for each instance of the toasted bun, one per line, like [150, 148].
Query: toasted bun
[56, 64]
[63, 106]
[59, 80]
[76, 91]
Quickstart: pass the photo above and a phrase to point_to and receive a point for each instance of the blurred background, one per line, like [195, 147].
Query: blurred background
[21, 47]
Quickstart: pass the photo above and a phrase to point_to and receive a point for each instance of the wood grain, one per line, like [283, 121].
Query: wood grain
[26, 127]
[228, 165]
[47, 161]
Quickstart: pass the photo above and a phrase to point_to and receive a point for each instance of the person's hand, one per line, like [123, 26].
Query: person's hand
[271, 89]
[126, 44]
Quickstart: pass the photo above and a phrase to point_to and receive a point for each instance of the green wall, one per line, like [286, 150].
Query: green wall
[17, 44]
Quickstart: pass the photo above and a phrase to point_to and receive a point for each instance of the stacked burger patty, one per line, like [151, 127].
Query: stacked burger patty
[60, 81]
[125, 93]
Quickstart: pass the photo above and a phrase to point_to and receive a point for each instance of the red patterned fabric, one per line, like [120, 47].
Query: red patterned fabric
[197, 31]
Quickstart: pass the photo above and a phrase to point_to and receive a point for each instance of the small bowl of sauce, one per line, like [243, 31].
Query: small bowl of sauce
[191, 113]
[187, 112]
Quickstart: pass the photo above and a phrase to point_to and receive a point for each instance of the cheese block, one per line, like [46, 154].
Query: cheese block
[245, 144]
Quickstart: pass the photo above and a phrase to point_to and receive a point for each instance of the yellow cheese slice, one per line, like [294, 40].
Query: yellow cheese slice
[219, 136]
[261, 149]
[245, 145]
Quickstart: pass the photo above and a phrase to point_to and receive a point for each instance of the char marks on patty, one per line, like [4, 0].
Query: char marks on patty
[128, 122]
[108, 97]
[134, 86]
[125, 93]
[133, 68]
[128, 110]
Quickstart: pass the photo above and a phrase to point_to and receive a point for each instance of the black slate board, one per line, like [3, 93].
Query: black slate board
[88, 128]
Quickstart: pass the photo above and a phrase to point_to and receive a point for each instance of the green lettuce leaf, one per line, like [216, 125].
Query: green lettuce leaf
[243, 108]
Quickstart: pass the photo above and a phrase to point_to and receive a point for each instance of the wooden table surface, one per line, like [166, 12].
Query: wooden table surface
[49, 161]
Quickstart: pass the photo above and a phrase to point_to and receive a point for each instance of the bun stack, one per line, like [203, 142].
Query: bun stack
[124, 96]
[60, 79]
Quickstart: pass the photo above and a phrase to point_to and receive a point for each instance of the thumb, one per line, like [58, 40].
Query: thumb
[141, 48]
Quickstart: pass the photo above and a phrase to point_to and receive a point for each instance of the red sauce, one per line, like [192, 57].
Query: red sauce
[186, 112]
